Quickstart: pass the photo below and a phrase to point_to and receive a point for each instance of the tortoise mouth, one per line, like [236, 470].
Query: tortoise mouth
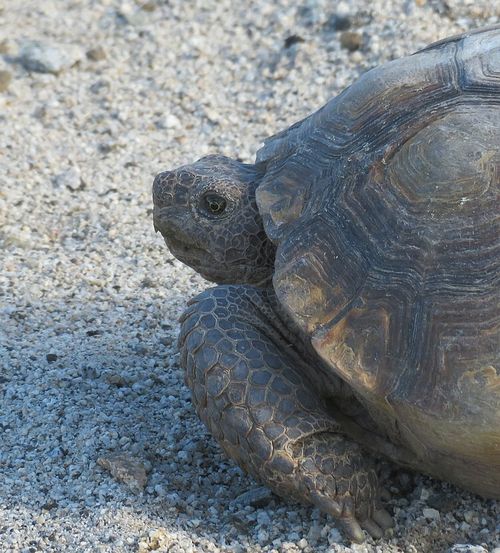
[186, 251]
[213, 269]
[176, 240]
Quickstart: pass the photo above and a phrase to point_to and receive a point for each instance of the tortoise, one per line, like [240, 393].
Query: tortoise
[356, 312]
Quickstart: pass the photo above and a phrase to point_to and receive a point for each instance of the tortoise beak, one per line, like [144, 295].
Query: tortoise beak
[156, 219]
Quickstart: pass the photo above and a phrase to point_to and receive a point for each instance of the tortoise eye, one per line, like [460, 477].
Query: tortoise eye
[214, 204]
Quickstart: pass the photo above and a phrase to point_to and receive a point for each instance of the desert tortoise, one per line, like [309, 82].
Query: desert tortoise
[358, 298]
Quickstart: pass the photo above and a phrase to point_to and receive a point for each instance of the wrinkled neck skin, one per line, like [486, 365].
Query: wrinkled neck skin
[229, 247]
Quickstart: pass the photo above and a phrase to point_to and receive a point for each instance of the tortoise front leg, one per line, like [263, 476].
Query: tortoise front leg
[248, 388]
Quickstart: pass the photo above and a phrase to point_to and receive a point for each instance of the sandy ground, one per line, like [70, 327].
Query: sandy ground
[89, 295]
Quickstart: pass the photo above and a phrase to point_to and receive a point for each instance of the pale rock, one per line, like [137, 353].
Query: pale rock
[49, 58]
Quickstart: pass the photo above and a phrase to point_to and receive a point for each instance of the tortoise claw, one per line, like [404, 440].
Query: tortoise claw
[383, 518]
[352, 529]
[380, 521]
[372, 528]
[375, 525]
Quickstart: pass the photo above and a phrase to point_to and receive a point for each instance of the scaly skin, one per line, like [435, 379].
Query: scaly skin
[249, 388]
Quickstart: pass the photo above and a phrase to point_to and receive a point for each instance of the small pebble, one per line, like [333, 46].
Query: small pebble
[263, 518]
[169, 121]
[156, 540]
[334, 536]
[351, 40]
[96, 54]
[5, 80]
[424, 494]
[256, 497]
[467, 548]
[70, 178]
[116, 380]
[49, 58]
[148, 6]
[431, 514]
[338, 22]
[126, 469]
[470, 516]
[262, 536]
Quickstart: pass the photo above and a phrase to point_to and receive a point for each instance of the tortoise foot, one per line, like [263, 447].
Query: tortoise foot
[247, 376]
[341, 480]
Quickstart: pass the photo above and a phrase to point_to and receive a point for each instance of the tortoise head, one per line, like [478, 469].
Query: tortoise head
[208, 216]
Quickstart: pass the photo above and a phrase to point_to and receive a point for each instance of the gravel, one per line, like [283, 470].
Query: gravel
[97, 97]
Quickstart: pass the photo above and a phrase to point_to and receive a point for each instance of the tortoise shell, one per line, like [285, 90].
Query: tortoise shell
[384, 205]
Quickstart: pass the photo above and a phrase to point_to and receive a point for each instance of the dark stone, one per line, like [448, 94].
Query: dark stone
[51, 504]
[293, 39]
[444, 503]
[338, 22]
[258, 497]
